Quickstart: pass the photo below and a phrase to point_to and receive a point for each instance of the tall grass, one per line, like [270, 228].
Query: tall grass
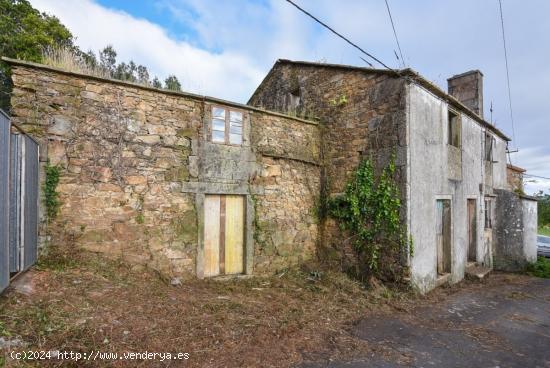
[67, 59]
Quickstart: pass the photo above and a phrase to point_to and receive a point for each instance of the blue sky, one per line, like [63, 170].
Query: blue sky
[224, 48]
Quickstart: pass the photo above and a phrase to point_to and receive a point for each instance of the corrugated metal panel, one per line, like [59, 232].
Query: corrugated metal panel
[4, 201]
[234, 234]
[30, 219]
[15, 203]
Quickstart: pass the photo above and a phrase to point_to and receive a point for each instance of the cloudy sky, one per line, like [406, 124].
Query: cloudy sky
[223, 48]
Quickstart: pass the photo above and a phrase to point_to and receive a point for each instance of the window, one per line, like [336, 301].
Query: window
[488, 147]
[488, 214]
[227, 126]
[454, 129]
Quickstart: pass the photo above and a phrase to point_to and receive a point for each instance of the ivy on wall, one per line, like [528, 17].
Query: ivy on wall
[51, 196]
[369, 210]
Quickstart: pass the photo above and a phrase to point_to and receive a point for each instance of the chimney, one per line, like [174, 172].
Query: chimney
[468, 89]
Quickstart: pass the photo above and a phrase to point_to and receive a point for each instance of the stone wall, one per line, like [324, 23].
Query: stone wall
[515, 231]
[136, 162]
[362, 115]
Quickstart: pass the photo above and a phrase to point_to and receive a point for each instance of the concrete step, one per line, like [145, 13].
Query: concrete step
[476, 271]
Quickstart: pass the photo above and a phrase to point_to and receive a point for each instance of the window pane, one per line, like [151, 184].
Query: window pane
[218, 112]
[235, 129]
[218, 124]
[236, 116]
[235, 139]
[218, 136]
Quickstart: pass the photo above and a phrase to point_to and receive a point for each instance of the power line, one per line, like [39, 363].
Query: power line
[337, 34]
[395, 34]
[507, 72]
[536, 176]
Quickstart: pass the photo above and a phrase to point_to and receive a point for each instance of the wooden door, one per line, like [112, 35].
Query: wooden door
[472, 230]
[234, 234]
[223, 235]
[443, 236]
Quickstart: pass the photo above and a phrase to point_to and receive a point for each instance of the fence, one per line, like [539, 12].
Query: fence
[19, 185]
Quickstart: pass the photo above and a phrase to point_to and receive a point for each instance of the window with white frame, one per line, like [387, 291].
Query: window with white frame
[227, 126]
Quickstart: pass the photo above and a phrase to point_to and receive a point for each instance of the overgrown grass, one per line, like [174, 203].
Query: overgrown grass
[544, 230]
[65, 58]
[541, 268]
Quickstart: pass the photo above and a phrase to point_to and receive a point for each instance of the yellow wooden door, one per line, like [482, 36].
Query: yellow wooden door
[234, 234]
[211, 235]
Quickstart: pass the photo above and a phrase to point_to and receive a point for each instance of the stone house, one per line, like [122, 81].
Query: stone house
[451, 163]
[192, 185]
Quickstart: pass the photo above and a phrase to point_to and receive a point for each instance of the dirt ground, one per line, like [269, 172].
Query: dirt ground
[84, 303]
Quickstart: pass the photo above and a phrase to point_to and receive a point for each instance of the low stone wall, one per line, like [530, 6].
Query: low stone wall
[515, 231]
[135, 160]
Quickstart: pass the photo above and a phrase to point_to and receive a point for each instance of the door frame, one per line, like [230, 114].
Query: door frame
[451, 235]
[248, 228]
[476, 237]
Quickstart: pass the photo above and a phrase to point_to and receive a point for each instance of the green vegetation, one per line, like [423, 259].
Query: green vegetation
[27, 34]
[544, 230]
[369, 211]
[51, 196]
[541, 268]
[24, 33]
[543, 211]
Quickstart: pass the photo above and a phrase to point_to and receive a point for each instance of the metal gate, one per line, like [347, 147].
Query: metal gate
[4, 200]
[19, 208]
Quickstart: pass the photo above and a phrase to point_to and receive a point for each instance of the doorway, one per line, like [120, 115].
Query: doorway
[472, 230]
[443, 232]
[223, 235]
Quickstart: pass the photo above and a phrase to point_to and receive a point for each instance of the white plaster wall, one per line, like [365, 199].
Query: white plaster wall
[529, 229]
[427, 119]
[499, 165]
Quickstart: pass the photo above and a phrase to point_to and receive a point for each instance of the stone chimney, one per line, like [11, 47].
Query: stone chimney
[468, 89]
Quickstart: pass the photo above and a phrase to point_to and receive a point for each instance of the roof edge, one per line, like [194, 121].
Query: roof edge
[407, 73]
[190, 95]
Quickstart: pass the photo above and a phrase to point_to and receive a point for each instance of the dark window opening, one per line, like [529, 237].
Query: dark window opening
[488, 214]
[488, 147]
[454, 129]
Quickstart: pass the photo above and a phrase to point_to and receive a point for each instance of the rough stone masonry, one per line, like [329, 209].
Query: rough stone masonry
[137, 163]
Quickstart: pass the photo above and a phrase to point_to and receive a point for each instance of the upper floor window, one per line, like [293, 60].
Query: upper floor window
[227, 126]
[488, 214]
[489, 140]
[454, 129]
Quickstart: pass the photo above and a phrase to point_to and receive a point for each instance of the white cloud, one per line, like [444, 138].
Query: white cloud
[226, 75]
[536, 161]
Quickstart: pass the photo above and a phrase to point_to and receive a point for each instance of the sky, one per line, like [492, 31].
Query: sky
[224, 48]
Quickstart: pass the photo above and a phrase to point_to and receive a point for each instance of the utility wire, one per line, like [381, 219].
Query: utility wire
[337, 34]
[395, 34]
[507, 72]
[536, 176]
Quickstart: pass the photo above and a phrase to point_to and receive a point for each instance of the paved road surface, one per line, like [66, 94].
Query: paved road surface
[507, 325]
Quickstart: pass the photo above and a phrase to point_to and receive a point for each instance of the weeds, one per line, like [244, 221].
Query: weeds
[541, 268]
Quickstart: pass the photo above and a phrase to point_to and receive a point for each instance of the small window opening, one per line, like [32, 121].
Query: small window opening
[227, 126]
[488, 147]
[488, 214]
[294, 99]
[454, 129]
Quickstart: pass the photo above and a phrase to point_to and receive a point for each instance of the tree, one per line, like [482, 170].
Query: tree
[543, 208]
[24, 33]
[172, 83]
[157, 83]
[107, 59]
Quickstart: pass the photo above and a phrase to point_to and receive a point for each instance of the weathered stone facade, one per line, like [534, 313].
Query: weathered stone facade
[362, 115]
[136, 163]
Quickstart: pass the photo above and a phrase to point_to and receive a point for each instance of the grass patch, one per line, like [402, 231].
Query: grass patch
[541, 268]
[544, 230]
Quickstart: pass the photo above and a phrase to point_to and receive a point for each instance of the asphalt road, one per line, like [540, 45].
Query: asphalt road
[504, 325]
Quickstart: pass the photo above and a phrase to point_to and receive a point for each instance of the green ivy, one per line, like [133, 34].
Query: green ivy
[51, 196]
[369, 210]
